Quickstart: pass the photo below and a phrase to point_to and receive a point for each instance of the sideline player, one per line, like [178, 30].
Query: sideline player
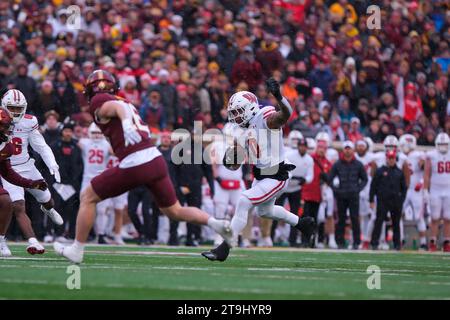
[95, 151]
[26, 132]
[437, 189]
[263, 138]
[141, 163]
[414, 195]
[8, 173]
[365, 155]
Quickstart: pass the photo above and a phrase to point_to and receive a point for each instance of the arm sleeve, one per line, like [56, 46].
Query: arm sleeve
[39, 145]
[13, 177]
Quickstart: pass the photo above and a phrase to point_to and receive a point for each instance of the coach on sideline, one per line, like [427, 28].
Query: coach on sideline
[352, 180]
[389, 186]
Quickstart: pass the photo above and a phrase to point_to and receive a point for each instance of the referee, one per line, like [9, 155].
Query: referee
[389, 186]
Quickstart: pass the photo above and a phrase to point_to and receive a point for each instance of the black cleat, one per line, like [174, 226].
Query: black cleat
[218, 254]
[306, 226]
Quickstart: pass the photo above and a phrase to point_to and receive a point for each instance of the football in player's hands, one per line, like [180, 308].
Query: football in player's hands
[234, 157]
[39, 184]
[273, 87]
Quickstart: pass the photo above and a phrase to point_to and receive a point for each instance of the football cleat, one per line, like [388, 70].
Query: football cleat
[446, 246]
[35, 248]
[218, 254]
[432, 246]
[265, 242]
[118, 240]
[4, 250]
[69, 252]
[306, 226]
[54, 215]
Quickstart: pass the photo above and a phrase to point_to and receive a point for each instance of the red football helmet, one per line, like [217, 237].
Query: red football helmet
[100, 81]
[6, 125]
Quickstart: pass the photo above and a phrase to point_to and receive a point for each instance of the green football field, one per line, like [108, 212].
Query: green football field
[132, 272]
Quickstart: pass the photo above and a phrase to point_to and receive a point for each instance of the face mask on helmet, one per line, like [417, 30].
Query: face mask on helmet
[15, 102]
[242, 107]
[442, 143]
[6, 125]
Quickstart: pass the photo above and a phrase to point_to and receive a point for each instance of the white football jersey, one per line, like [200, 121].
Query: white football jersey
[25, 133]
[95, 156]
[416, 172]
[381, 159]
[440, 169]
[218, 149]
[366, 160]
[265, 146]
[304, 167]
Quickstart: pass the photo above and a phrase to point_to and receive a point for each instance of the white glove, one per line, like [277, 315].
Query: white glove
[130, 133]
[54, 171]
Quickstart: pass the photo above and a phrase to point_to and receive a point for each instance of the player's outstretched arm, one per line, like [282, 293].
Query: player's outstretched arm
[112, 109]
[8, 173]
[278, 119]
[39, 145]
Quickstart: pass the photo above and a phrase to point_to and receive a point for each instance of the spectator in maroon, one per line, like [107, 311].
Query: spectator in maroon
[354, 133]
[269, 56]
[247, 69]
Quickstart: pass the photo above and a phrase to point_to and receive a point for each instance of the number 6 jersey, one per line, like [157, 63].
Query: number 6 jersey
[27, 132]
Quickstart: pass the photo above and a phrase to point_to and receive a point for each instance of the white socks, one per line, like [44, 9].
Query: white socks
[78, 245]
[239, 220]
[280, 213]
[32, 240]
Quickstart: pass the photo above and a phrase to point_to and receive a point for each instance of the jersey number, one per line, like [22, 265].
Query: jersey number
[96, 156]
[17, 143]
[443, 167]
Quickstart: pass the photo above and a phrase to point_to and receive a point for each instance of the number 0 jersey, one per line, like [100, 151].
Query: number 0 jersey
[27, 132]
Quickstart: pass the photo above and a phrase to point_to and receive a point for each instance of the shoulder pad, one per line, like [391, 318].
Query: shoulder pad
[30, 122]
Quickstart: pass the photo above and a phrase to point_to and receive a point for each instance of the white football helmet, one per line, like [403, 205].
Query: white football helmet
[293, 138]
[94, 132]
[323, 136]
[311, 144]
[242, 107]
[390, 143]
[408, 143]
[442, 142]
[16, 103]
[369, 143]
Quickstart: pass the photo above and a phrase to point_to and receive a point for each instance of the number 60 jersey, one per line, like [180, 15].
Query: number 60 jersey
[440, 171]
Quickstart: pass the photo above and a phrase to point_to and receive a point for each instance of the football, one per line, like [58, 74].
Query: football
[234, 157]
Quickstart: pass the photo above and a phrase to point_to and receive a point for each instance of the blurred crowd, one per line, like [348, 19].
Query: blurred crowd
[180, 60]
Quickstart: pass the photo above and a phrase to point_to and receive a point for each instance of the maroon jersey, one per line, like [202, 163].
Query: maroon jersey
[7, 172]
[112, 129]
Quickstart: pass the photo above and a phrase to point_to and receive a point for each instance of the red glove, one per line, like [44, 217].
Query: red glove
[418, 186]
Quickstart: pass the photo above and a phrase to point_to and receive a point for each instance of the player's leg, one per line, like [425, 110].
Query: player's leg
[102, 210]
[436, 209]
[5, 220]
[446, 216]
[120, 205]
[329, 218]
[364, 215]
[221, 200]
[43, 197]
[294, 203]
[418, 211]
[25, 226]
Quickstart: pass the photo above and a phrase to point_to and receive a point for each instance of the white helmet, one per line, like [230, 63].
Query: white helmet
[408, 143]
[14, 101]
[390, 143]
[242, 105]
[94, 132]
[311, 144]
[323, 136]
[292, 137]
[369, 142]
[442, 142]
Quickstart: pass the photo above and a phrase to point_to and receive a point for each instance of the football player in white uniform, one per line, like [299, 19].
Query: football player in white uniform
[293, 137]
[437, 189]
[303, 173]
[119, 205]
[264, 141]
[95, 152]
[414, 195]
[367, 158]
[228, 184]
[26, 132]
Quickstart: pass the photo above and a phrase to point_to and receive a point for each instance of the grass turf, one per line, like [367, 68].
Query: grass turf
[132, 272]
